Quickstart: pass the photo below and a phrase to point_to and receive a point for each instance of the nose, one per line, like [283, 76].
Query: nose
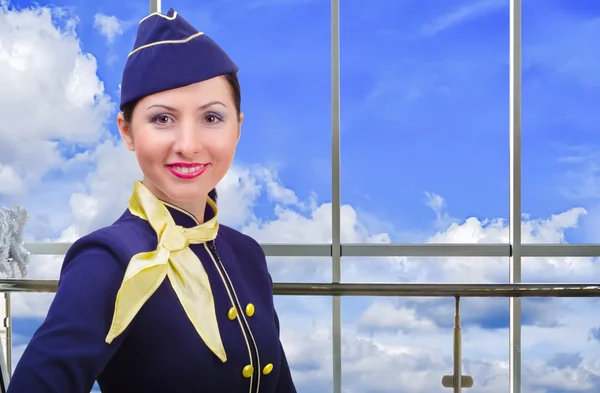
[188, 142]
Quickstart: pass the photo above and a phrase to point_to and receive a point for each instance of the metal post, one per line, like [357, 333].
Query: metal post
[457, 356]
[457, 381]
[155, 6]
[8, 327]
[3, 372]
[336, 249]
[515, 195]
[5, 368]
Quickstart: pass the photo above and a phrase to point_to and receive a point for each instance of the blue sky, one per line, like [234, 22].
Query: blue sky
[424, 98]
[424, 109]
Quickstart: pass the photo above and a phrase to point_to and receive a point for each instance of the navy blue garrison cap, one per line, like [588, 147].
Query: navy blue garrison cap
[169, 53]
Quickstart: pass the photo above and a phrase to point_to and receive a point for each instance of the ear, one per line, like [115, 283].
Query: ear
[240, 125]
[125, 131]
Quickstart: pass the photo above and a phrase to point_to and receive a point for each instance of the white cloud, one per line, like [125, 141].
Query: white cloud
[108, 26]
[389, 345]
[51, 91]
[438, 205]
[276, 191]
[382, 316]
[11, 183]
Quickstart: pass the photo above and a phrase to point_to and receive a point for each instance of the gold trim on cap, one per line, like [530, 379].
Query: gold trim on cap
[161, 15]
[183, 41]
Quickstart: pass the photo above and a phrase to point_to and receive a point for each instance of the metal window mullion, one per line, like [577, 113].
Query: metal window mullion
[515, 195]
[155, 6]
[336, 249]
[389, 250]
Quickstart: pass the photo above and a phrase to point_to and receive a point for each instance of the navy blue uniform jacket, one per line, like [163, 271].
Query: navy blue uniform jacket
[160, 352]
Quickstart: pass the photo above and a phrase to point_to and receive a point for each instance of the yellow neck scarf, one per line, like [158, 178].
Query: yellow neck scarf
[173, 259]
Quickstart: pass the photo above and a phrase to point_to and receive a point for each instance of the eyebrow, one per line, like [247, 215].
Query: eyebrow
[201, 107]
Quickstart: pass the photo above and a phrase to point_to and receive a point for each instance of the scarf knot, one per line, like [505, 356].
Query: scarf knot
[172, 238]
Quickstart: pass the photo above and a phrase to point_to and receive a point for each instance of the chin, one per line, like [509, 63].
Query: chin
[185, 192]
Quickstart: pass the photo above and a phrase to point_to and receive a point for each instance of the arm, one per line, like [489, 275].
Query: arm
[68, 351]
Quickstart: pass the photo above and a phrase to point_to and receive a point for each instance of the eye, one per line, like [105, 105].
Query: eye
[161, 119]
[212, 118]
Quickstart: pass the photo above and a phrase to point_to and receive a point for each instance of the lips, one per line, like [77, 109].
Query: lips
[187, 171]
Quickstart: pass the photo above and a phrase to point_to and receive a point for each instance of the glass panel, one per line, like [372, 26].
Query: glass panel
[306, 337]
[424, 114]
[44, 267]
[561, 183]
[560, 336]
[28, 313]
[405, 344]
[296, 269]
[472, 270]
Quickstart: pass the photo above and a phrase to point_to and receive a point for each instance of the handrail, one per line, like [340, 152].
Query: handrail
[378, 289]
[438, 290]
[457, 381]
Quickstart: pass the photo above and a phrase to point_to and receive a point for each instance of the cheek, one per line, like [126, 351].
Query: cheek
[150, 150]
[223, 148]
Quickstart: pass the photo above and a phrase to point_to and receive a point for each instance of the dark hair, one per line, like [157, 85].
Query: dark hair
[234, 83]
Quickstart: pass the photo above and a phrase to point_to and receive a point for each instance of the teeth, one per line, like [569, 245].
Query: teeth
[187, 170]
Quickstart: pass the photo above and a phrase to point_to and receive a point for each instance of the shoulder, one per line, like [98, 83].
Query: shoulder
[243, 246]
[240, 240]
[118, 242]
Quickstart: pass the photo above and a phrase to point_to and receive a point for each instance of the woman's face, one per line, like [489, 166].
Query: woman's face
[184, 140]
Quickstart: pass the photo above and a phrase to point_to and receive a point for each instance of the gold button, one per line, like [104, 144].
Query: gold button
[268, 368]
[250, 309]
[248, 371]
[232, 313]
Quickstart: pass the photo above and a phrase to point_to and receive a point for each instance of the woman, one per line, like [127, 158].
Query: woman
[166, 299]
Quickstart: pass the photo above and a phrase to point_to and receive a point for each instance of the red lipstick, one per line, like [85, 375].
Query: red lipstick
[187, 171]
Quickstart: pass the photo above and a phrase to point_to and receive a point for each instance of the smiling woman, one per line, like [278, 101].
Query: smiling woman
[166, 299]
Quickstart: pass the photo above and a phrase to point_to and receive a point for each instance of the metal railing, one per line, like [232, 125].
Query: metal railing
[377, 289]
[457, 381]
[336, 290]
